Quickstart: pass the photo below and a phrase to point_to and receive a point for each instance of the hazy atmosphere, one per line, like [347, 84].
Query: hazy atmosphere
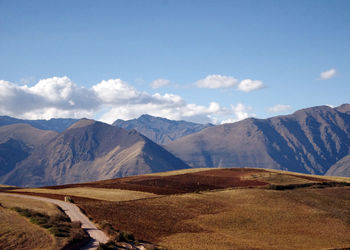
[202, 61]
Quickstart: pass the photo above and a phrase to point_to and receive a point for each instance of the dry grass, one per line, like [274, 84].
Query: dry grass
[330, 178]
[34, 219]
[39, 206]
[235, 219]
[298, 219]
[95, 193]
[277, 178]
[16, 232]
[182, 171]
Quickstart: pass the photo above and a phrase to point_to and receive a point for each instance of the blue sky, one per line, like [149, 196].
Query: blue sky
[217, 60]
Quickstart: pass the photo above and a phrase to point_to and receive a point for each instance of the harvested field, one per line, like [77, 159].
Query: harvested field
[179, 184]
[323, 177]
[240, 218]
[94, 193]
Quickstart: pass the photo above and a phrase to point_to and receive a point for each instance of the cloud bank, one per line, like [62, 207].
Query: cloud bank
[107, 101]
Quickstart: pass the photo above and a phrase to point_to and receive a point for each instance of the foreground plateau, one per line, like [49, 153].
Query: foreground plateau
[215, 209]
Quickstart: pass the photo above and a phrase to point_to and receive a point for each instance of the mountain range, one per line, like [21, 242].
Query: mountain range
[86, 151]
[314, 140]
[56, 124]
[161, 130]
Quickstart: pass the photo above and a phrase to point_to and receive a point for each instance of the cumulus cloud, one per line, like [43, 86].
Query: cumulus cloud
[52, 97]
[248, 85]
[328, 74]
[279, 108]
[217, 81]
[158, 83]
[240, 112]
[109, 99]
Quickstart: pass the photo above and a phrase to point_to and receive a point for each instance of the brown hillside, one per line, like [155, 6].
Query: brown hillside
[308, 141]
[88, 151]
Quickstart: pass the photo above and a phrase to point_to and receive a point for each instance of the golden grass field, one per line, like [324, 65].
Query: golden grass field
[39, 206]
[16, 232]
[267, 219]
[95, 193]
[238, 217]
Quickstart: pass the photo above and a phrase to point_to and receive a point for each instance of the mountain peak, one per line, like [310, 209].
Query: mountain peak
[344, 108]
[84, 122]
[161, 130]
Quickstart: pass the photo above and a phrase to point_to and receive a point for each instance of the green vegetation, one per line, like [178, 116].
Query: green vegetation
[58, 225]
[16, 232]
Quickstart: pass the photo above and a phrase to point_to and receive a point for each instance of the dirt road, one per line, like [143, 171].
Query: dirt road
[74, 214]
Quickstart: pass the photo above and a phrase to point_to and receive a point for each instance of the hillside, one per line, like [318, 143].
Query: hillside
[237, 208]
[161, 130]
[90, 150]
[17, 142]
[308, 141]
[340, 168]
[56, 124]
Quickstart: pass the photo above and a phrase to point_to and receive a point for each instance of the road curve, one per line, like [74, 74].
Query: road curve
[74, 213]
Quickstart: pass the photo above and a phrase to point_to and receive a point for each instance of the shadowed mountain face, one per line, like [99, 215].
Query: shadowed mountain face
[58, 125]
[308, 141]
[88, 151]
[161, 130]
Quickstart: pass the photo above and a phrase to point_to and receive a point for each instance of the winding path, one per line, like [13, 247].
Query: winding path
[74, 213]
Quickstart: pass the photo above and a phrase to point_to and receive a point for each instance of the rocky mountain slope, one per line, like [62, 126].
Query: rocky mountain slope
[161, 130]
[56, 124]
[88, 151]
[308, 141]
[17, 142]
[340, 168]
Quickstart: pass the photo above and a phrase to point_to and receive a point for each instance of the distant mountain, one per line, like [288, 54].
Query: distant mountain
[58, 124]
[17, 142]
[341, 167]
[161, 130]
[308, 141]
[88, 151]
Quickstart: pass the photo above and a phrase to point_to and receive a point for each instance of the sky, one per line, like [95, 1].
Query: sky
[195, 60]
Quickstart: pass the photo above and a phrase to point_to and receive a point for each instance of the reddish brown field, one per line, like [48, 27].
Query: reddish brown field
[306, 215]
[179, 184]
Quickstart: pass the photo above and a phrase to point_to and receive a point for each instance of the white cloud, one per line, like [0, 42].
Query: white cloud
[216, 81]
[248, 85]
[279, 108]
[158, 83]
[219, 81]
[109, 99]
[115, 91]
[240, 112]
[328, 74]
[52, 97]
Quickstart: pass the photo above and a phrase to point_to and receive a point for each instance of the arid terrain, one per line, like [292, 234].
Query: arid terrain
[219, 208]
[28, 223]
